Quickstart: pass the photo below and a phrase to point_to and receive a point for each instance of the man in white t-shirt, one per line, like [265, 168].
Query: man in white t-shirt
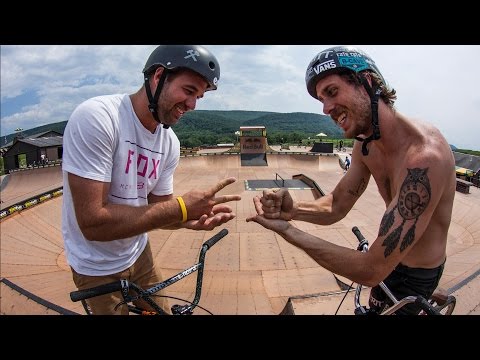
[119, 158]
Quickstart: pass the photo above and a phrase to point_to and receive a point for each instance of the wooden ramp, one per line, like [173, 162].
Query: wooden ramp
[25, 184]
[250, 271]
[17, 301]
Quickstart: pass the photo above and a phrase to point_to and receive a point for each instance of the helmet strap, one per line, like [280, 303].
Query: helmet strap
[374, 95]
[153, 100]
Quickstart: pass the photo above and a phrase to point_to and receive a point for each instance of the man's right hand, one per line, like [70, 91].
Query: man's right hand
[277, 204]
[200, 203]
[277, 225]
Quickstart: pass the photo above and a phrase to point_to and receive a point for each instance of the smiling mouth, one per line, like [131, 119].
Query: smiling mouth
[341, 120]
[180, 111]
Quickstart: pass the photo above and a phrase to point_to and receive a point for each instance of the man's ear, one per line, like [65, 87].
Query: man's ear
[368, 76]
[158, 73]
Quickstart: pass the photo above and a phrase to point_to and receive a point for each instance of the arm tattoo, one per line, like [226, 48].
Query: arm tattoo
[413, 199]
[387, 222]
[360, 188]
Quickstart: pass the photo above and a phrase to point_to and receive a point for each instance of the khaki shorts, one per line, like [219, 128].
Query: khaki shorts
[143, 273]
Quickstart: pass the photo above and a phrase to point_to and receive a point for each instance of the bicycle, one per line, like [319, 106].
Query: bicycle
[440, 303]
[124, 286]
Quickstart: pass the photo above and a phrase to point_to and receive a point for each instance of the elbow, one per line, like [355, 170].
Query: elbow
[341, 211]
[367, 269]
[89, 233]
[372, 277]
[91, 237]
[337, 212]
[89, 230]
[372, 282]
[334, 218]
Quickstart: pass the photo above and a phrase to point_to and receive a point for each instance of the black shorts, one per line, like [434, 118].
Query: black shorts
[406, 281]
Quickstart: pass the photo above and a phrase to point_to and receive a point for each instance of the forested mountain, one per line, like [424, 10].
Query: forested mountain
[212, 127]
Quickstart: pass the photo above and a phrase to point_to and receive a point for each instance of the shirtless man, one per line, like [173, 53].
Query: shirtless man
[409, 160]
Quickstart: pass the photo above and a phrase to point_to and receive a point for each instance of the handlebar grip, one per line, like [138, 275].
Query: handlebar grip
[215, 238]
[420, 301]
[358, 234]
[96, 291]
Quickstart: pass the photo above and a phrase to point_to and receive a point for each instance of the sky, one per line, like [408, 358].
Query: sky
[42, 84]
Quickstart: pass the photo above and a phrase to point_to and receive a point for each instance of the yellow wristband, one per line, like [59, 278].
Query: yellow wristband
[183, 207]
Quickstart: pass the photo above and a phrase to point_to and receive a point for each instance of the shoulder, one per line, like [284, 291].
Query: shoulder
[431, 163]
[433, 157]
[426, 145]
[431, 148]
[97, 108]
[98, 103]
[96, 118]
[173, 139]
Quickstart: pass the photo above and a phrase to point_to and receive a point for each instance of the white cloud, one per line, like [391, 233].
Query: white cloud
[434, 83]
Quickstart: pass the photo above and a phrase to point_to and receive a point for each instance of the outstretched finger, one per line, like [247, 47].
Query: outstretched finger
[258, 208]
[220, 208]
[258, 205]
[226, 198]
[220, 185]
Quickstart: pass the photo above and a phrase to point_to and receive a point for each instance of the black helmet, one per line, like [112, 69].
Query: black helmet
[335, 59]
[193, 57]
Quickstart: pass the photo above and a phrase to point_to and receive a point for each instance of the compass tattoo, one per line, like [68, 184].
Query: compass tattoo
[414, 198]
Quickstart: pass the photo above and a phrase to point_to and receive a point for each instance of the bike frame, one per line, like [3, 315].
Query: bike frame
[124, 286]
[427, 306]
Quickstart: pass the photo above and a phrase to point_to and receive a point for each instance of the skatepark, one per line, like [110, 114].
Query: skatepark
[252, 271]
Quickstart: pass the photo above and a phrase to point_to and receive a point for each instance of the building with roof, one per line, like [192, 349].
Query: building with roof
[467, 167]
[33, 149]
[467, 161]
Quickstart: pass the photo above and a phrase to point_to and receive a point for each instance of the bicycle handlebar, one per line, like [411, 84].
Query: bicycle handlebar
[425, 305]
[215, 238]
[123, 285]
[358, 234]
[418, 300]
[96, 291]
[363, 243]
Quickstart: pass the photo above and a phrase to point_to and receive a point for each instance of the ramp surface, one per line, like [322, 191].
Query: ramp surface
[252, 270]
[254, 159]
[292, 184]
[24, 184]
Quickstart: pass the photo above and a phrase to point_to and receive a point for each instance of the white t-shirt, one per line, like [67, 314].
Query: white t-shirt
[105, 141]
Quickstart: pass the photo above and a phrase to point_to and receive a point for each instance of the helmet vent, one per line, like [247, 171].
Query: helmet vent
[211, 64]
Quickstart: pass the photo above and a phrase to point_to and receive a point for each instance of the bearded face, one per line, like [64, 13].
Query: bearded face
[347, 104]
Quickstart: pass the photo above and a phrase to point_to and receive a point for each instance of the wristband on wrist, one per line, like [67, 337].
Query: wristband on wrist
[183, 208]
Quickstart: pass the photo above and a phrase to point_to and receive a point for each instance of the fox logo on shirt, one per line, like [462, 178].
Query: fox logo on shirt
[142, 164]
